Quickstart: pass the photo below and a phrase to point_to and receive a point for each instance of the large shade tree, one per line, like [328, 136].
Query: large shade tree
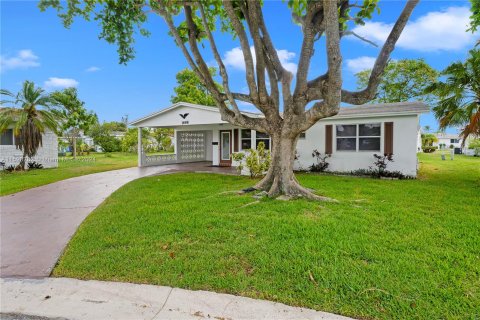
[403, 80]
[289, 107]
[191, 89]
[29, 114]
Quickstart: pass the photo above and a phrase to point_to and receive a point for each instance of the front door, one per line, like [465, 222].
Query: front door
[225, 148]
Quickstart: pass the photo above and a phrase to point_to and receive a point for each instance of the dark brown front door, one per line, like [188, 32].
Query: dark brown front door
[225, 148]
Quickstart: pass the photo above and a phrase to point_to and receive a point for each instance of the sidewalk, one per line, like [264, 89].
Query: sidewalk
[78, 299]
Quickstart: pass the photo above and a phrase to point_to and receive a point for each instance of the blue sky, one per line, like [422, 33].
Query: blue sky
[35, 46]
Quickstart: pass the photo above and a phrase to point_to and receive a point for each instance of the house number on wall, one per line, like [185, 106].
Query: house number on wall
[183, 116]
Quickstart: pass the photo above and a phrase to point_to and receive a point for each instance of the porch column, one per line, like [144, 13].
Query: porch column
[140, 147]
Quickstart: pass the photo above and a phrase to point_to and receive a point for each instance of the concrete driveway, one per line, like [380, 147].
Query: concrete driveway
[37, 224]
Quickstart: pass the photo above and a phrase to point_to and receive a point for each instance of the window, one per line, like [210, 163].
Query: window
[7, 138]
[365, 136]
[346, 137]
[369, 137]
[263, 137]
[302, 135]
[246, 139]
[225, 145]
[454, 140]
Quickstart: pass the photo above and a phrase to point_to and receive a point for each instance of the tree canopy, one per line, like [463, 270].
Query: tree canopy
[403, 80]
[191, 89]
[73, 114]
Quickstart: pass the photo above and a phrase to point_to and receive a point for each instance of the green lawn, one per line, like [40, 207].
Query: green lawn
[391, 249]
[67, 168]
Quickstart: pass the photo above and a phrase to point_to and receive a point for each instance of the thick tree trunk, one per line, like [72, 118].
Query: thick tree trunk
[280, 178]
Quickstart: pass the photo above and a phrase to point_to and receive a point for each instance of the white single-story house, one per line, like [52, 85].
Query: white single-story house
[453, 141]
[47, 154]
[448, 141]
[351, 137]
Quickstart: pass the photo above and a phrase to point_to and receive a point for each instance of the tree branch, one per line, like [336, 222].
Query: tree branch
[192, 40]
[351, 33]
[282, 74]
[221, 66]
[369, 92]
[310, 27]
[244, 44]
[248, 9]
[333, 82]
[242, 97]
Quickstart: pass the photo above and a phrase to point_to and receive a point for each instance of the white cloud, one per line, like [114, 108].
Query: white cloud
[92, 69]
[54, 82]
[23, 60]
[234, 59]
[361, 63]
[434, 31]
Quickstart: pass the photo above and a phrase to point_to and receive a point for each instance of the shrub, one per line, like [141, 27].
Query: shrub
[474, 144]
[429, 149]
[257, 161]
[321, 164]
[108, 143]
[10, 168]
[34, 165]
[381, 163]
[238, 157]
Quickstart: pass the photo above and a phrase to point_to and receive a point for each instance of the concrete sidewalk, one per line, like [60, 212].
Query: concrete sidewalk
[78, 299]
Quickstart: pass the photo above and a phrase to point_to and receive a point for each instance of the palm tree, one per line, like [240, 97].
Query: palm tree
[30, 116]
[459, 96]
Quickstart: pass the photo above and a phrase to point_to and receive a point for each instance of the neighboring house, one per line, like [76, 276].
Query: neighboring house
[351, 137]
[89, 140]
[448, 141]
[47, 154]
[81, 138]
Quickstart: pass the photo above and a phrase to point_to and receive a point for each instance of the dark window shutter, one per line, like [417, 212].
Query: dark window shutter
[388, 138]
[235, 140]
[328, 139]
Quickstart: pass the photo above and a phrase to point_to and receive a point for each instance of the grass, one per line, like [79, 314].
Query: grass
[67, 168]
[391, 249]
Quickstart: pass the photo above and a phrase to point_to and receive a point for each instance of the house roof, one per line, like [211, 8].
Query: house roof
[443, 135]
[367, 110]
[397, 108]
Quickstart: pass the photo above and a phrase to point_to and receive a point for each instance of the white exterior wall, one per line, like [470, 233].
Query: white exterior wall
[447, 143]
[404, 146]
[172, 118]
[47, 154]
[405, 136]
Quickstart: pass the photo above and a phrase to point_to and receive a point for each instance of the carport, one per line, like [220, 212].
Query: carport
[200, 135]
